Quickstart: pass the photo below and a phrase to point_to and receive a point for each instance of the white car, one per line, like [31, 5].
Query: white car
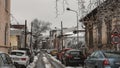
[20, 56]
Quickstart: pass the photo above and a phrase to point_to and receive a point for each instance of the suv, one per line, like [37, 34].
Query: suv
[20, 56]
[73, 56]
[5, 61]
[29, 53]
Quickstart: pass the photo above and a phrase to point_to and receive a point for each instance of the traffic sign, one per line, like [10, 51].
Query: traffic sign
[115, 38]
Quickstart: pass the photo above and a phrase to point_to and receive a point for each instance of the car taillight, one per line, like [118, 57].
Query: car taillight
[106, 62]
[23, 59]
[69, 56]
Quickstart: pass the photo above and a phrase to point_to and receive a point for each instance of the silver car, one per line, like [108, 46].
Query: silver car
[5, 61]
[103, 59]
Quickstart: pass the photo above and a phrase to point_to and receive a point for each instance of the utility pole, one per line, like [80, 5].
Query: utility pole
[25, 33]
[62, 33]
[31, 36]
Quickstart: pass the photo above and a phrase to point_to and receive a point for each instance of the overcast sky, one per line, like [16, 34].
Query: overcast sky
[43, 10]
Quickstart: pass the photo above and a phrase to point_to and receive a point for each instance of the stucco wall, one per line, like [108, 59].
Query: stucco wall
[4, 24]
[13, 40]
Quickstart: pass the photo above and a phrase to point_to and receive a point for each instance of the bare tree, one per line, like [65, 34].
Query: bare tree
[39, 27]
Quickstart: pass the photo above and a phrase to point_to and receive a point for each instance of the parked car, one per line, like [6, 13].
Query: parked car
[61, 53]
[54, 52]
[30, 53]
[5, 61]
[73, 57]
[103, 59]
[20, 56]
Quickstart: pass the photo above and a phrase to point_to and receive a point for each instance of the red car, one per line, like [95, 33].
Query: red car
[61, 53]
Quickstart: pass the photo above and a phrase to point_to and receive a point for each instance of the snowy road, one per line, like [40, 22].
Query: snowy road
[47, 61]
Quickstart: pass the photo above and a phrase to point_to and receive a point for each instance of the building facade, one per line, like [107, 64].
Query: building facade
[4, 25]
[100, 24]
[17, 37]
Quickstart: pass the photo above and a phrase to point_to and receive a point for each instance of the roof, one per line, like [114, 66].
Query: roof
[18, 26]
[94, 11]
[75, 35]
[14, 31]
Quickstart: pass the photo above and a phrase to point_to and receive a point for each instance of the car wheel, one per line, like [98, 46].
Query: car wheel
[96, 67]
[66, 63]
[84, 66]
[24, 67]
[27, 63]
[62, 61]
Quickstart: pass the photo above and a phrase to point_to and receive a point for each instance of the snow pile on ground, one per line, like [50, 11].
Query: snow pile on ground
[32, 65]
[53, 58]
[46, 62]
[73, 67]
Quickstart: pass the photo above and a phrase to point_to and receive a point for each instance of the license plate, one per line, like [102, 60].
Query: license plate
[76, 58]
[15, 58]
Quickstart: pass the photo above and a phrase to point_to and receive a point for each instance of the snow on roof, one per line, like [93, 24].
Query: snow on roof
[75, 35]
[13, 29]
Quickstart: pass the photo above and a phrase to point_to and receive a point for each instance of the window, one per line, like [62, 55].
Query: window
[9, 61]
[17, 53]
[112, 54]
[98, 55]
[6, 59]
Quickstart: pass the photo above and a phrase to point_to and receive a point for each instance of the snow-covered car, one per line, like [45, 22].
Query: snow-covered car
[20, 56]
[5, 61]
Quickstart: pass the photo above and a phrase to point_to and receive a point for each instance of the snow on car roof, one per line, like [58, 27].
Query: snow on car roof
[18, 51]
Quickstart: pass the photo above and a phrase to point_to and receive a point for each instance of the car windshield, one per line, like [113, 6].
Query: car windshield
[112, 54]
[17, 53]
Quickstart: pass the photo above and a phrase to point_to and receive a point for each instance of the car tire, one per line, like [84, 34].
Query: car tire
[84, 66]
[62, 61]
[24, 67]
[96, 67]
[66, 63]
[28, 63]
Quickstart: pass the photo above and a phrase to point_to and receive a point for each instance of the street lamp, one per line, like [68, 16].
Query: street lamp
[77, 22]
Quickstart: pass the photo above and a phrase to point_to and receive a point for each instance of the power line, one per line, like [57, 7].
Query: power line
[12, 17]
